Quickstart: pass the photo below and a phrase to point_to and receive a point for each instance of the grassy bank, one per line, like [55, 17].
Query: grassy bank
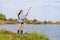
[8, 35]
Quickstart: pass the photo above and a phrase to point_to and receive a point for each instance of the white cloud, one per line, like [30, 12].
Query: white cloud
[53, 3]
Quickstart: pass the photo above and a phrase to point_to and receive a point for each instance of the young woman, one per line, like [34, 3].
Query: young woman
[21, 18]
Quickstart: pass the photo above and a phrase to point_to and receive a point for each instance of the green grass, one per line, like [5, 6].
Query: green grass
[8, 35]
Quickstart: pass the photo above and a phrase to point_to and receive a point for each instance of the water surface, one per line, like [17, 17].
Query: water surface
[52, 30]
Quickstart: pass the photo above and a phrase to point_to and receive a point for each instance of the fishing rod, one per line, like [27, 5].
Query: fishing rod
[29, 9]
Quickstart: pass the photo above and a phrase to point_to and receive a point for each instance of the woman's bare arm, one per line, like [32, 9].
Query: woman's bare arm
[26, 15]
[28, 11]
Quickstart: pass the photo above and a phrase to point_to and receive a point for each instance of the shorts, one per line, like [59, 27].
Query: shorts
[21, 22]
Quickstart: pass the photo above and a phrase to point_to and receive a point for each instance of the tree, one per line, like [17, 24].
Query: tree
[10, 19]
[45, 22]
[34, 20]
[49, 22]
[2, 17]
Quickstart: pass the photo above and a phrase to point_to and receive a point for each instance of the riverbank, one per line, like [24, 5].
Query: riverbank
[5, 20]
[8, 35]
[28, 22]
[8, 22]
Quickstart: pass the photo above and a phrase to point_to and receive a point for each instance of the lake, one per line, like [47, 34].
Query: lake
[51, 30]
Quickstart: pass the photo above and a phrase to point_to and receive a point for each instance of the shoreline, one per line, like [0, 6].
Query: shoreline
[6, 34]
[13, 22]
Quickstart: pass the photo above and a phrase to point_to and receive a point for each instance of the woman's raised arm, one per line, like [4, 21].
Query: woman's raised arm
[28, 11]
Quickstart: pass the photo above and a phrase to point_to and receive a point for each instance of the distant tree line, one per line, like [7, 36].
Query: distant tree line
[27, 21]
[3, 17]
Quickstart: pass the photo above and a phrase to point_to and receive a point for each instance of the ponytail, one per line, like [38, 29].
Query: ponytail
[19, 14]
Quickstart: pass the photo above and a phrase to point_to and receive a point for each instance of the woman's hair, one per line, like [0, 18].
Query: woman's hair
[19, 13]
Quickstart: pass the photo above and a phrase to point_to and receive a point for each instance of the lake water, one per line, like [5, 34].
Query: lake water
[51, 30]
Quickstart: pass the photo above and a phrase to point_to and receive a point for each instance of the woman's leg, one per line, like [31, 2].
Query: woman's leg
[20, 27]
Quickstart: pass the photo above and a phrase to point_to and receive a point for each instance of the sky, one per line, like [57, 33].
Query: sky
[41, 9]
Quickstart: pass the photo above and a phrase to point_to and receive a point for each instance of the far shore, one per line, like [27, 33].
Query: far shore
[8, 22]
[13, 22]
[4, 20]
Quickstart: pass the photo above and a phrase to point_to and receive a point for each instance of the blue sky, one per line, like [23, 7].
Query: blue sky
[41, 9]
